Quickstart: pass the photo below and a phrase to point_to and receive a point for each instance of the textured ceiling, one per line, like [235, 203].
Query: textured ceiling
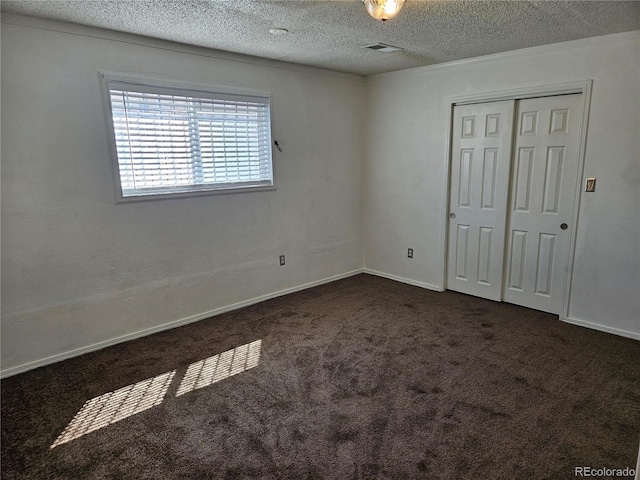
[329, 34]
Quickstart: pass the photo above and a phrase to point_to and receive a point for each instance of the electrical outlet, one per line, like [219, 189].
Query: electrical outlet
[410, 253]
[281, 259]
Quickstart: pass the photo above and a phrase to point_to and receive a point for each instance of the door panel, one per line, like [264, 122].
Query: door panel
[522, 182]
[542, 197]
[478, 197]
[516, 270]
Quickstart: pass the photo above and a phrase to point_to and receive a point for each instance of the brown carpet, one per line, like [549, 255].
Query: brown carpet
[361, 378]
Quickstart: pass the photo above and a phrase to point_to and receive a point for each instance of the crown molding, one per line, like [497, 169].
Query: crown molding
[133, 39]
[130, 38]
[539, 50]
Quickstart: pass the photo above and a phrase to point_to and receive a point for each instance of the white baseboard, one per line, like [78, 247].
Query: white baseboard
[408, 281]
[166, 326]
[574, 321]
[218, 311]
[602, 328]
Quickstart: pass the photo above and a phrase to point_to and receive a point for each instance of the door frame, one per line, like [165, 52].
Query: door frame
[582, 87]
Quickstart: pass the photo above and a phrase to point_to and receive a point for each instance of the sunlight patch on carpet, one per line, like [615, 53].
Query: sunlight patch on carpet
[115, 406]
[224, 365]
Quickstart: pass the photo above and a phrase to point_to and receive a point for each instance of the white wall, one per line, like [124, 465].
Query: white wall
[405, 182]
[79, 271]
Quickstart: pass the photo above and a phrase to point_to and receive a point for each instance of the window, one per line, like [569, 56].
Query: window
[174, 141]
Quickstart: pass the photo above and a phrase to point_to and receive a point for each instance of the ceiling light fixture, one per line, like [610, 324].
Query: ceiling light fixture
[383, 9]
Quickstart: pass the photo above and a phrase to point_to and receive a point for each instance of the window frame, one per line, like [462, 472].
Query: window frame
[187, 89]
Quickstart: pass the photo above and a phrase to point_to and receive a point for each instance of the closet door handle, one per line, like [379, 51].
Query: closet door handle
[452, 215]
[564, 226]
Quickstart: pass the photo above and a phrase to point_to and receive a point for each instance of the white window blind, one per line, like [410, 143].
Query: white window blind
[172, 141]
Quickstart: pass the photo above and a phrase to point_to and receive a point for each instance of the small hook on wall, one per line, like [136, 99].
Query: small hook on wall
[277, 145]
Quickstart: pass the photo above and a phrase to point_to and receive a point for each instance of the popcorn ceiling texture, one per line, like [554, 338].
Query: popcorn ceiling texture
[329, 34]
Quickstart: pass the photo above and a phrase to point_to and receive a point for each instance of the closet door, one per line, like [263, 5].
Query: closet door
[478, 197]
[543, 183]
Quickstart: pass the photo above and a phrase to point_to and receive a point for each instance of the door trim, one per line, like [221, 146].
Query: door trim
[582, 87]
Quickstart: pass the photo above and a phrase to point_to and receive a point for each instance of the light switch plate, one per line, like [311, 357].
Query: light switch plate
[590, 184]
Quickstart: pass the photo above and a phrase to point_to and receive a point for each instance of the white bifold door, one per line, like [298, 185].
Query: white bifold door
[512, 189]
[478, 197]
